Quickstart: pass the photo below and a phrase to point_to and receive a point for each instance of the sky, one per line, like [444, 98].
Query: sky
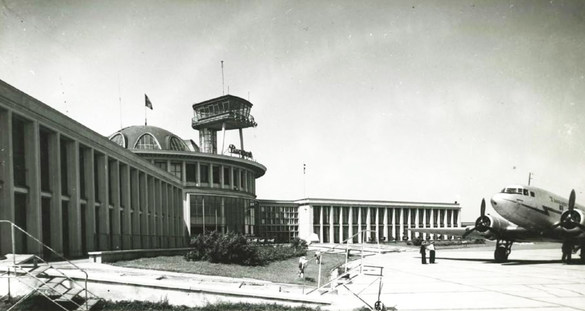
[426, 101]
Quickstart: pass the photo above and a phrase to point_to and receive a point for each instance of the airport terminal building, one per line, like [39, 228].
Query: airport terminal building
[144, 187]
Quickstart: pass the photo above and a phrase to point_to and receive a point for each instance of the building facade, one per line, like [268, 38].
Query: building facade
[74, 190]
[352, 221]
[145, 187]
[219, 190]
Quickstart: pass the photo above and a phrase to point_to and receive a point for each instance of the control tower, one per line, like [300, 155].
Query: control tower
[223, 113]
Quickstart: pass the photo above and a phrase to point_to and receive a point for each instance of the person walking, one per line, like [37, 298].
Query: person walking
[302, 265]
[431, 248]
[423, 253]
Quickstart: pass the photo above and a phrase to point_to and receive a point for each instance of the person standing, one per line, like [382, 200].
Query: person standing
[431, 248]
[302, 265]
[423, 253]
[567, 249]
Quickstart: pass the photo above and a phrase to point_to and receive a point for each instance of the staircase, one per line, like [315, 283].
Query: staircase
[39, 277]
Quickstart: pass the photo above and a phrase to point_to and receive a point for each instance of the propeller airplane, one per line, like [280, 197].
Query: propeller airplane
[524, 214]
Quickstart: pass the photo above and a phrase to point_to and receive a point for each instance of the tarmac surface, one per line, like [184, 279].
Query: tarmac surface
[467, 279]
[462, 279]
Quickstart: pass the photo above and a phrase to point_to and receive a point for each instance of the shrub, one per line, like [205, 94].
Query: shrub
[233, 248]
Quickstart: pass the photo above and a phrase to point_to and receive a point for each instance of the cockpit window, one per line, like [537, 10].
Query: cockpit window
[532, 194]
[515, 191]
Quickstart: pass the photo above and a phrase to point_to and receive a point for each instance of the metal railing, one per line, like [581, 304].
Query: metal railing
[13, 228]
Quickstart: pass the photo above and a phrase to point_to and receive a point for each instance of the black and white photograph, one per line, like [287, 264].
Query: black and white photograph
[292, 155]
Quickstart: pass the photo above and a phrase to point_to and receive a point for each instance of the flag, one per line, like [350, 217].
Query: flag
[147, 102]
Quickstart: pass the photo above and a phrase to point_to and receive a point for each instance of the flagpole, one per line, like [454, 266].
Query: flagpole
[145, 122]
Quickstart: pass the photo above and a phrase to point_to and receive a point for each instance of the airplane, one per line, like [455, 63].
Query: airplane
[525, 214]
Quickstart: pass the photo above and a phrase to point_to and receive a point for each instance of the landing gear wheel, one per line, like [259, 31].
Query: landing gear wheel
[379, 305]
[503, 249]
[501, 255]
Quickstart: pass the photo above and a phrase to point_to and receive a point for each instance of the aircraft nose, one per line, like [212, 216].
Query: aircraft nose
[495, 200]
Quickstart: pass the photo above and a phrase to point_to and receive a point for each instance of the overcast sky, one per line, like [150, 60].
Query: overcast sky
[433, 101]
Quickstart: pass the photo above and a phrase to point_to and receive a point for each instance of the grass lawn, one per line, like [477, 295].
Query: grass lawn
[42, 304]
[280, 272]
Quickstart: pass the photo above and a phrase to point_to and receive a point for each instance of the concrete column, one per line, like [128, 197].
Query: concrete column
[377, 223]
[6, 181]
[401, 224]
[350, 232]
[198, 176]
[424, 221]
[103, 228]
[321, 224]
[431, 223]
[368, 220]
[135, 186]
[184, 172]
[74, 212]
[341, 224]
[171, 216]
[331, 229]
[126, 205]
[32, 146]
[56, 217]
[88, 165]
[143, 210]
[232, 184]
[385, 224]
[211, 181]
[160, 210]
[444, 218]
[407, 213]
[221, 177]
[360, 234]
[167, 207]
[152, 214]
[394, 226]
[245, 172]
[115, 184]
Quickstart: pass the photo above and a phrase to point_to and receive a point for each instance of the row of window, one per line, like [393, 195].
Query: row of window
[216, 175]
[377, 214]
[65, 169]
[520, 191]
[148, 142]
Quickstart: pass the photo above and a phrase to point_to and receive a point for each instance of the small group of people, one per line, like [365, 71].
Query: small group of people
[427, 248]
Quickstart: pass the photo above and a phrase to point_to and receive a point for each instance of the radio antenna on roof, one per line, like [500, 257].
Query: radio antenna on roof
[222, 80]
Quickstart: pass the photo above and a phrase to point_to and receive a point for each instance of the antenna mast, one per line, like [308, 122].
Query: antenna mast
[222, 80]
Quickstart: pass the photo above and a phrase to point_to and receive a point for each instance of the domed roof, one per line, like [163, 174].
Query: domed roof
[147, 137]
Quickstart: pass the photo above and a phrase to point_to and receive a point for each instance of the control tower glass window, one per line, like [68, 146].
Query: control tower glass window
[148, 142]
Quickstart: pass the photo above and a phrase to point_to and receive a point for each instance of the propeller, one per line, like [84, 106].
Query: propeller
[482, 224]
[570, 219]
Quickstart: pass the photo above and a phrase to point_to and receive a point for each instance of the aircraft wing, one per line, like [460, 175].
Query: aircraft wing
[511, 233]
[459, 231]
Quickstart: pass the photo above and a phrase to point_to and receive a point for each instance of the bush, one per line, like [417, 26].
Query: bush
[233, 248]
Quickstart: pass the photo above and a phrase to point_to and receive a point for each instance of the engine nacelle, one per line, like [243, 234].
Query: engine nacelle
[573, 220]
[486, 223]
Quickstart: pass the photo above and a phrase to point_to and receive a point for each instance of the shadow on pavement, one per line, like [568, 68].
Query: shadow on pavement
[511, 262]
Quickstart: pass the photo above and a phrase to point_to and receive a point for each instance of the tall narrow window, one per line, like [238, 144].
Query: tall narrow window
[148, 142]
[177, 144]
[204, 173]
[18, 152]
[118, 139]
